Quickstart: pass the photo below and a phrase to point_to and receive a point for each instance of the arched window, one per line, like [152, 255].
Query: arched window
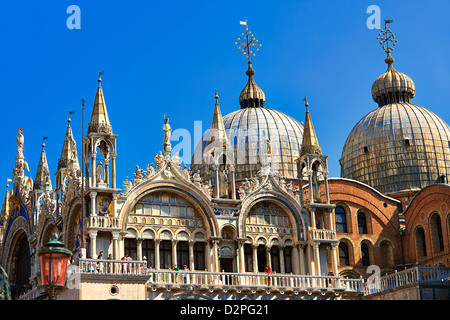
[365, 258]
[248, 257]
[362, 223]
[148, 251]
[288, 259]
[275, 259]
[341, 220]
[131, 248]
[436, 233]
[387, 258]
[182, 254]
[199, 256]
[165, 254]
[421, 245]
[344, 258]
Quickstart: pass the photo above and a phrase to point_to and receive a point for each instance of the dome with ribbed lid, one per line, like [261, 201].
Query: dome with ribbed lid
[252, 95]
[393, 86]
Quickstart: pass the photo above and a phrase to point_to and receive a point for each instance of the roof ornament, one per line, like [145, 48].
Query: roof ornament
[251, 95]
[250, 41]
[387, 41]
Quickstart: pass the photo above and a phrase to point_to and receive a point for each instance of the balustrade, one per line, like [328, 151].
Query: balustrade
[322, 234]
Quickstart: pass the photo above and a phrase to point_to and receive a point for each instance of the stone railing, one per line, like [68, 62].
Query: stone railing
[103, 222]
[322, 234]
[251, 281]
[105, 266]
[416, 275]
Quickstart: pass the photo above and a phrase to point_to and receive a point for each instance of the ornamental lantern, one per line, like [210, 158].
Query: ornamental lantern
[54, 258]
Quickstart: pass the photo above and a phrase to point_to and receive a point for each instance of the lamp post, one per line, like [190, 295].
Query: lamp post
[54, 258]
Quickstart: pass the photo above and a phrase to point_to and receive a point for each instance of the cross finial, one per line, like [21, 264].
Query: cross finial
[387, 38]
[249, 41]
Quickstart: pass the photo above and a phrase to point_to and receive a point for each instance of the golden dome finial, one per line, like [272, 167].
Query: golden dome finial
[387, 38]
[306, 103]
[250, 41]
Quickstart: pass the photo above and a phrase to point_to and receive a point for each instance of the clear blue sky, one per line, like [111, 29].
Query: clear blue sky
[169, 56]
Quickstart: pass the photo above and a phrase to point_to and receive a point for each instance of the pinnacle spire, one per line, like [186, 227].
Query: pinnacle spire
[310, 144]
[99, 119]
[218, 127]
[43, 181]
[69, 158]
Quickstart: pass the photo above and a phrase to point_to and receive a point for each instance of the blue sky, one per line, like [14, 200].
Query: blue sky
[169, 57]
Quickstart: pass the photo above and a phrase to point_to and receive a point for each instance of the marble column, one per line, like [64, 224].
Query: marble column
[255, 258]
[157, 259]
[93, 241]
[174, 253]
[282, 266]
[191, 255]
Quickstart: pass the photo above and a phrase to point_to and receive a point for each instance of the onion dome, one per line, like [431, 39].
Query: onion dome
[400, 146]
[252, 95]
[393, 86]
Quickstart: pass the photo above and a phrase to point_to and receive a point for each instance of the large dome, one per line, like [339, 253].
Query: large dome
[247, 130]
[399, 146]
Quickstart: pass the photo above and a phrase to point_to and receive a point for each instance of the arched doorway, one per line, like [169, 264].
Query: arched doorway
[20, 268]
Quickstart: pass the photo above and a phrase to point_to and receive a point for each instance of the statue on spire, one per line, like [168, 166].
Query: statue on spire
[167, 146]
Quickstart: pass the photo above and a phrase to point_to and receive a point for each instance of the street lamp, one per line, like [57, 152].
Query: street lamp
[54, 258]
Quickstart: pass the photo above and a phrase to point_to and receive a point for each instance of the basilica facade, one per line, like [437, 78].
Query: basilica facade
[255, 216]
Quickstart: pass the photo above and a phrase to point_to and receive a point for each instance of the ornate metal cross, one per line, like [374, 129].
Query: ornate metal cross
[250, 41]
[386, 36]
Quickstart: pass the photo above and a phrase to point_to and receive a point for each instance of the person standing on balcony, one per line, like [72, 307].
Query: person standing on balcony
[268, 271]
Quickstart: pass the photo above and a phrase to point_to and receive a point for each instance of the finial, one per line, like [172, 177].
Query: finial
[250, 41]
[306, 103]
[68, 117]
[83, 100]
[43, 139]
[387, 38]
[100, 73]
[216, 96]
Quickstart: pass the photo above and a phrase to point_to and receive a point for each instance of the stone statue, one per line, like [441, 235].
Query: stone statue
[159, 160]
[167, 146]
[315, 183]
[138, 175]
[150, 171]
[267, 144]
[176, 160]
[127, 185]
[19, 141]
[100, 172]
[223, 183]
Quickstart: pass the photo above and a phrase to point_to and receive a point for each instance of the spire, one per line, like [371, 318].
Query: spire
[252, 95]
[218, 128]
[69, 158]
[99, 120]
[5, 205]
[310, 144]
[43, 181]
